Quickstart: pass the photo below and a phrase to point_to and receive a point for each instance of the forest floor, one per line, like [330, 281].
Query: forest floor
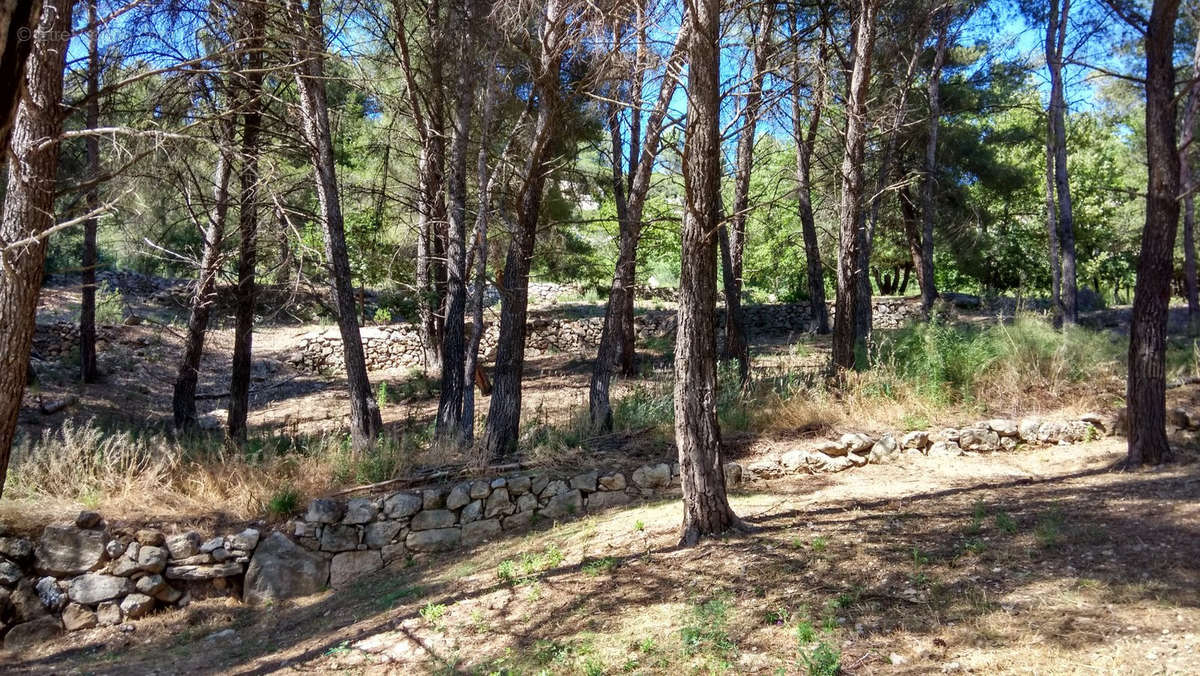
[1041, 561]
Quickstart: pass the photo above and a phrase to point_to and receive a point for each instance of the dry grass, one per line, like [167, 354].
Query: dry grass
[152, 475]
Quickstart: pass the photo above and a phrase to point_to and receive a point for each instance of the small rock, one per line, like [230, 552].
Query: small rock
[918, 440]
[733, 473]
[478, 531]
[519, 485]
[212, 572]
[66, 550]
[152, 559]
[459, 496]
[212, 544]
[897, 659]
[15, 548]
[114, 548]
[1179, 418]
[87, 519]
[652, 476]
[432, 519]
[614, 481]
[606, 499]
[1005, 428]
[76, 617]
[49, 594]
[432, 498]
[566, 504]
[437, 540]
[10, 573]
[380, 533]
[136, 605]
[323, 510]
[108, 613]
[472, 512]
[400, 505]
[945, 449]
[183, 545]
[585, 482]
[247, 540]
[168, 594]
[498, 504]
[480, 489]
[150, 585]
[855, 443]
[339, 538]
[94, 588]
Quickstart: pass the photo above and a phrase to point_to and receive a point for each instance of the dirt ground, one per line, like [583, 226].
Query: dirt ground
[1043, 561]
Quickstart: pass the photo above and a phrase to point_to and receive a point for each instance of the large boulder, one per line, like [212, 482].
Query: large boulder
[567, 504]
[400, 505]
[431, 519]
[652, 476]
[437, 540]
[280, 569]
[67, 550]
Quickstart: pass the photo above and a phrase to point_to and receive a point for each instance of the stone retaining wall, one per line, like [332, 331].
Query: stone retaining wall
[399, 346]
[80, 575]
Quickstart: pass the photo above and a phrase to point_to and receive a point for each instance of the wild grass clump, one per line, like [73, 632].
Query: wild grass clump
[647, 406]
[152, 472]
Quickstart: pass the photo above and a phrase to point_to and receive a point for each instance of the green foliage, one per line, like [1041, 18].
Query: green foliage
[110, 306]
[596, 567]
[647, 406]
[529, 566]
[284, 502]
[707, 630]
[822, 660]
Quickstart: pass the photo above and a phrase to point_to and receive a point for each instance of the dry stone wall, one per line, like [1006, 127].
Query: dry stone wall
[399, 346]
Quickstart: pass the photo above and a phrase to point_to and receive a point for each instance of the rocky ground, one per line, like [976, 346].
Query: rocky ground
[1040, 561]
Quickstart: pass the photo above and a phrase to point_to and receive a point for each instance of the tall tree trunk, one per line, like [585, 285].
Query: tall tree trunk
[1146, 390]
[910, 217]
[449, 415]
[853, 224]
[365, 421]
[504, 414]
[1056, 34]
[805, 144]
[1188, 125]
[18, 18]
[706, 510]
[430, 172]
[243, 332]
[29, 210]
[183, 398]
[484, 178]
[88, 370]
[736, 345]
[619, 310]
[925, 272]
[1052, 228]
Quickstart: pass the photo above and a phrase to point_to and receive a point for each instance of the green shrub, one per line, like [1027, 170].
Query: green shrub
[283, 502]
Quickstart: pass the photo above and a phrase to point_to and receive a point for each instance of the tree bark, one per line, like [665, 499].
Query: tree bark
[1189, 203]
[805, 145]
[852, 229]
[1052, 227]
[365, 420]
[183, 398]
[88, 371]
[504, 414]
[736, 344]
[619, 310]
[248, 203]
[1055, 40]
[925, 272]
[1146, 389]
[17, 17]
[706, 510]
[449, 415]
[28, 210]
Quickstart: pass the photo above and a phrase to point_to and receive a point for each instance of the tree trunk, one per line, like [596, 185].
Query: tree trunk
[1146, 391]
[18, 18]
[1055, 39]
[805, 144]
[1189, 203]
[1052, 228]
[449, 415]
[471, 367]
[736, 345]
[365, 421]
[88, 370]
[852, 230]
[183, 398]
[243, 333]
[925, 272]
[28, 210]
[504, 414]
[619, 310]
[706, 510]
